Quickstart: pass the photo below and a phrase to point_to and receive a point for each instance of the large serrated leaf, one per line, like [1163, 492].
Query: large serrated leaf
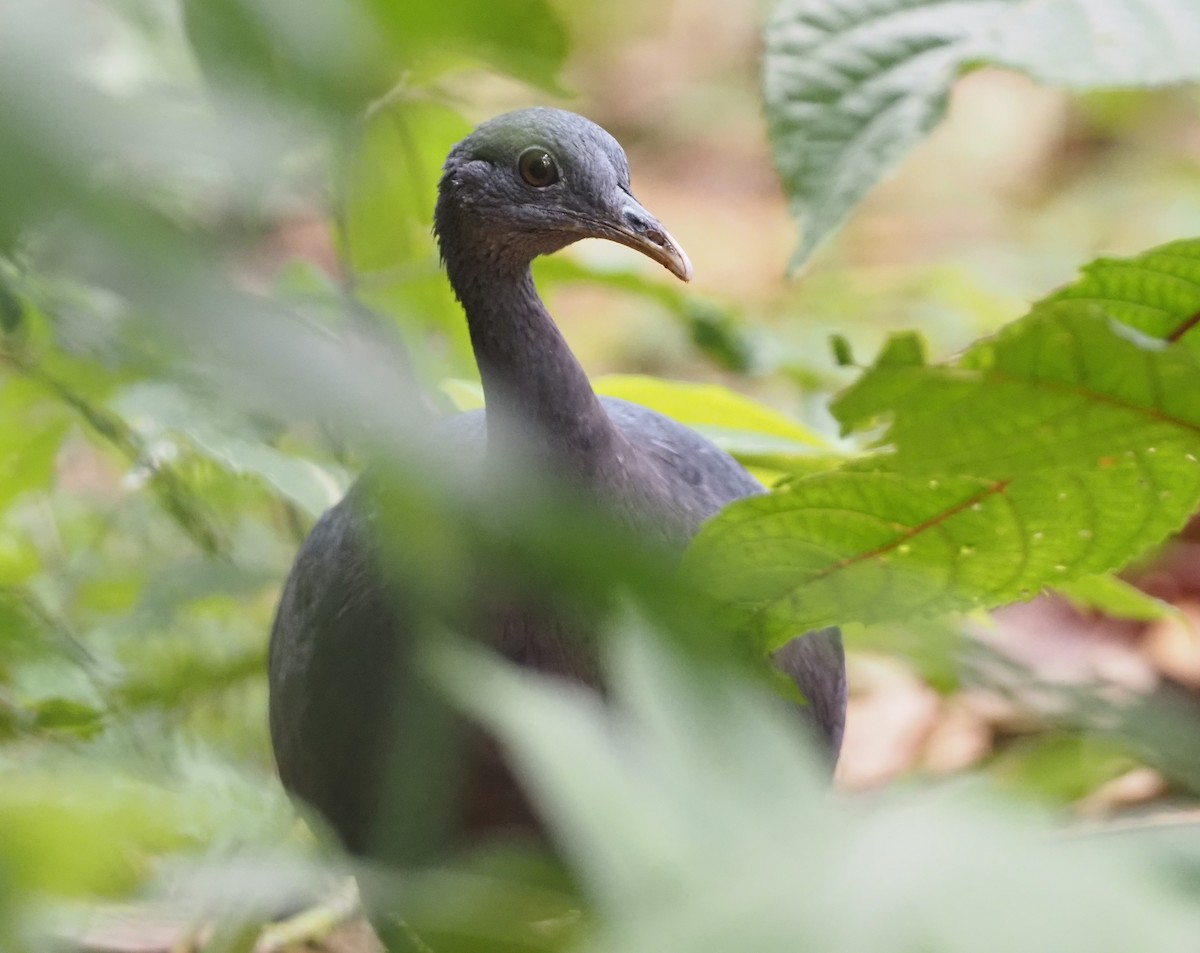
[1065, 446]
[852, 85]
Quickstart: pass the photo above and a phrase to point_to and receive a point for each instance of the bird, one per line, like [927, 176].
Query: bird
[521, 185]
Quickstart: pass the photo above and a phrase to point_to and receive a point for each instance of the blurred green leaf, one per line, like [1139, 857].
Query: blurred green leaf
[710, 408]
[851, 87]
[697, 823]
[1098, 44]
[1114, 597]
[67, 717]
[328, 55]
[384, 233]
[522, 37]
[1061, 767]
[161, 413]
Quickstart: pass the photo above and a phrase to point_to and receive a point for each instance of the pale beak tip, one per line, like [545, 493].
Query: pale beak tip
[685, 265]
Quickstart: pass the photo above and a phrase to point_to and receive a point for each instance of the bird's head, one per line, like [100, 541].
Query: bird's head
[528, 183]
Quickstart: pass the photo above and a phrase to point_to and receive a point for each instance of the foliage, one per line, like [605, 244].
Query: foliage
[1095, 458]
[852, 85]
[696, 821]
[174, 412]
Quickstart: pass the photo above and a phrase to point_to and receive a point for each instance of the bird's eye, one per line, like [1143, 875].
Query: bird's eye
[538, 168]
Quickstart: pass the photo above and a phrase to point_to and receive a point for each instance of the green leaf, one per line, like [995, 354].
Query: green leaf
[1157, 293]
[851, 87]
[32, 429]
[326, 55]
[464, 395]
[524, 38]
[384, 234]
[716, 330]
[160, 412]
[623, 792]
[843, 353]
[695, 823]
[1064, 447]
[1098, 44]
[66, 716]
[1062, 767]
[1114, 597]
[732, 420]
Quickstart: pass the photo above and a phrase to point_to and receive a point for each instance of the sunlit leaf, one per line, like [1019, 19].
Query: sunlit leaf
[710, 408]
[1064, 447]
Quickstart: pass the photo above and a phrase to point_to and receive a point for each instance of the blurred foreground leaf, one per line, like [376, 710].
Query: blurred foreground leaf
[698, 824]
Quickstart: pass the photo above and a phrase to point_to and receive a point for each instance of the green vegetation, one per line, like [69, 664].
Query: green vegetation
[219, 301]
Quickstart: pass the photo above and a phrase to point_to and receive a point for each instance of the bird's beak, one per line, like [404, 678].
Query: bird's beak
[641, 231]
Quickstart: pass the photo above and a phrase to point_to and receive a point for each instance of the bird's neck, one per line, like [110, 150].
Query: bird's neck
[535, 389]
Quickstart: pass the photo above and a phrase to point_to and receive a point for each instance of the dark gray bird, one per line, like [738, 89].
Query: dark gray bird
[524, 184]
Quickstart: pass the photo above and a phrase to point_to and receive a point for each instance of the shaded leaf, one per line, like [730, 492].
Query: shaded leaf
[696, 823]
[852, 86]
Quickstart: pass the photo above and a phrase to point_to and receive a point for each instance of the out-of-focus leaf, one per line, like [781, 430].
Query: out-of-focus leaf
[12, 312]
[84, 828]
[1062, 767]
[31, 430]
[62, 715]
[73, 834]
[522, 37]
[570, 747]
[161, 413]
[1097, 44]
[1114, 597]
[695, 823]
[19, 628]
[329, 55]
[708, 407]
[852, 86]
[170, 675]
[464, 395]
[715, 329]
[385, 236]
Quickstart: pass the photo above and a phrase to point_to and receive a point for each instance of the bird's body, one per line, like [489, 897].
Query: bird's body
[525, 184]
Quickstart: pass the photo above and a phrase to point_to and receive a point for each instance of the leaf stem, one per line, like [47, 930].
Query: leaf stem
[1183, 329]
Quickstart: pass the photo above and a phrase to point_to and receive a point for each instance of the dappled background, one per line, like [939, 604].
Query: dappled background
[169, 219]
